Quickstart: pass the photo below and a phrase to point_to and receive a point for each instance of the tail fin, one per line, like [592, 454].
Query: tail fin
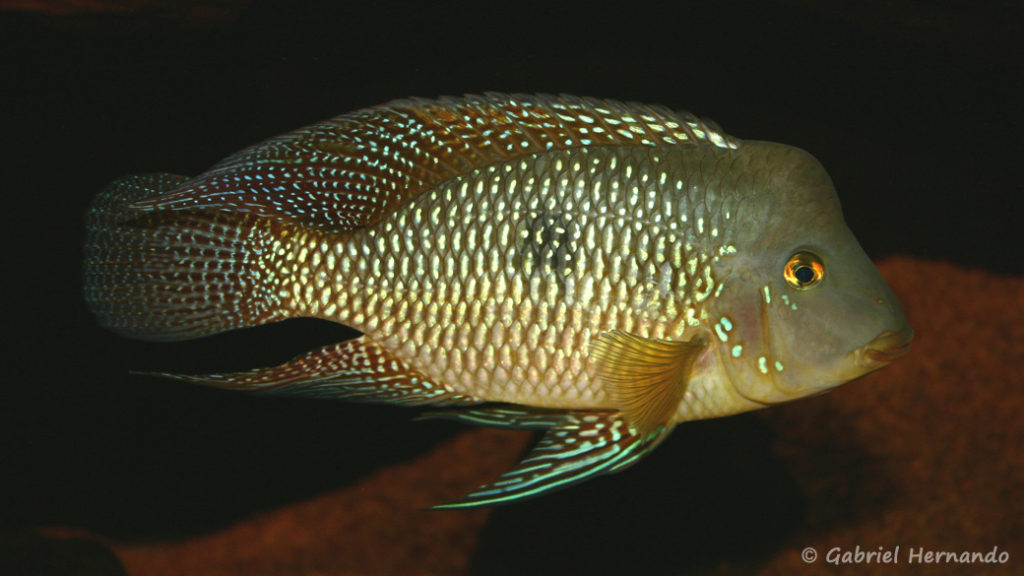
[173, 275]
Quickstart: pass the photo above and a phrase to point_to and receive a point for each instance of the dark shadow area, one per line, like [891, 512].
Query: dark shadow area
[712, 493]
[33, 555]
[141, 457]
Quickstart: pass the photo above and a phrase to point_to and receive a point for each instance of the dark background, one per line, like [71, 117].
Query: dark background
[914, 110]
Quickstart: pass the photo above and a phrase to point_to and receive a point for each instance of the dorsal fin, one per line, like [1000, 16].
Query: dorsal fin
[354, 169]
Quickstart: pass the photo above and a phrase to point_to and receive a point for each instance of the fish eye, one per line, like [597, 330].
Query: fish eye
[803, 270]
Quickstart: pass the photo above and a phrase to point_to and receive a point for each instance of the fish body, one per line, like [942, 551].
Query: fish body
[599, 270]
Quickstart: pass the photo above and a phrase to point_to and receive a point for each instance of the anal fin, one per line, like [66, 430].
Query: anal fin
[357, 370]
[578, 445]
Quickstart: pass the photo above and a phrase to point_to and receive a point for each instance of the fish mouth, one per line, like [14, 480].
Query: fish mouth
[886, 347]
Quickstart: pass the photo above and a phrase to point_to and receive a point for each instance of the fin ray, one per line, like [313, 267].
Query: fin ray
[359, 370]
[154, 277]
[355, 169]
[582, 444]
[645, 378]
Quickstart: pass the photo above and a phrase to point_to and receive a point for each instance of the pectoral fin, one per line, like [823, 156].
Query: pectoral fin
[645, 378]
[357, 370]
[577, 446]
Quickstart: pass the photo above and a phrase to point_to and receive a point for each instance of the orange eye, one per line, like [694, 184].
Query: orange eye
[804, 270]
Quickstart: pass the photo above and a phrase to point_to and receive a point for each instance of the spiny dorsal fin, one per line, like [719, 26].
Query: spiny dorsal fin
[645, 378]
[354, 169]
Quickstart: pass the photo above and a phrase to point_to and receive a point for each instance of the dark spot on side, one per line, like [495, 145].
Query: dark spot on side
[546, 244]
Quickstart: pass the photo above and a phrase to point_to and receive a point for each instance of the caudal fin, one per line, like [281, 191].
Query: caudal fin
[173, 275]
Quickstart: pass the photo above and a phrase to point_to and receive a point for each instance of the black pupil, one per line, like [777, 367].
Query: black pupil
[804, 274]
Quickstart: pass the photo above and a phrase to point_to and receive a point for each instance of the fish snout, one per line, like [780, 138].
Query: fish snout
[886, 347]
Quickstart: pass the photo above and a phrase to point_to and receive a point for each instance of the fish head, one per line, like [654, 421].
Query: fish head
[806, 309]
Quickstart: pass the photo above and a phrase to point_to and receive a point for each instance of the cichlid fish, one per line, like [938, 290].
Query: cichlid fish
[597, 270]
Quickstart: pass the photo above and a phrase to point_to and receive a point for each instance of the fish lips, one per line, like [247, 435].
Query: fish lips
[886, 347]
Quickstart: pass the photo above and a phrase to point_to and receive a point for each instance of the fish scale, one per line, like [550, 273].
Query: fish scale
[483, 275]
[602, 271]
[362, 164]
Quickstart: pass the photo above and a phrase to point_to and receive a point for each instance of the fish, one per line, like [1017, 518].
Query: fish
[598, 271]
